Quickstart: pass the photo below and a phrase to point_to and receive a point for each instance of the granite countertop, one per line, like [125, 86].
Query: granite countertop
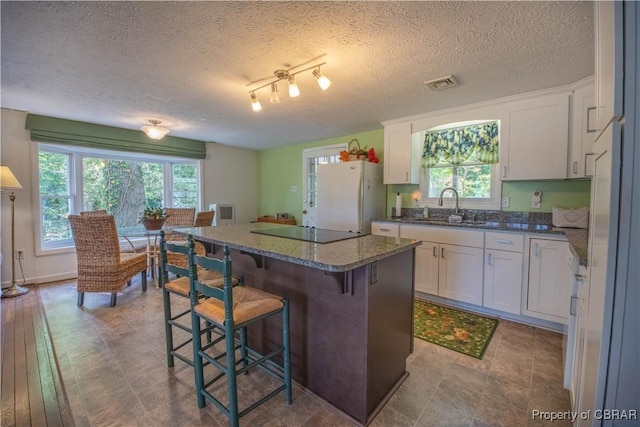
[577, 238]
[337, 256]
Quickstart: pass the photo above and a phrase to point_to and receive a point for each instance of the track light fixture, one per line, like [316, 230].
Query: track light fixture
[290, 77]
[154, 131]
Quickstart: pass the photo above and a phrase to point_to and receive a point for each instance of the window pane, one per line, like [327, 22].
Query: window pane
[471, 181]
[185, 186]
[121, 187]
[54, 219]
[54, 174]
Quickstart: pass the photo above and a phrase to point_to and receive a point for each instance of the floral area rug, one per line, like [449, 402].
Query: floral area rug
[456, 330]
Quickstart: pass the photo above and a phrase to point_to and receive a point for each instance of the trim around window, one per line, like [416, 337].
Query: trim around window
[76, 155]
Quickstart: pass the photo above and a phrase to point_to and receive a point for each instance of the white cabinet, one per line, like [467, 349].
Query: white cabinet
[401, 155]
[548, 290]
[385, 229]
[534, 138]
[503, 271]
[579, 305]
[451, 270]
[583, 131]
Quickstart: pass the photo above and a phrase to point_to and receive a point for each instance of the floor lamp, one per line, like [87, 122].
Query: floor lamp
[8, 182]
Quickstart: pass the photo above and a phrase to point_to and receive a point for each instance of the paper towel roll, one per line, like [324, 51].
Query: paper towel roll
[398, 205]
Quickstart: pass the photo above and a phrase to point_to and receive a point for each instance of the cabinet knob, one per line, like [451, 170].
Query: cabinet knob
[442, 253]
[435, 252]
[575, 168]
[504, 171]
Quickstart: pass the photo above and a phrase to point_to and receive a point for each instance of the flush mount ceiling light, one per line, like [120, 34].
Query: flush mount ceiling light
[154, 131]
[442, 83]
[290, 77]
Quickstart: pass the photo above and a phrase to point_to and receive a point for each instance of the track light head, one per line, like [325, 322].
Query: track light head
[275, 96]
[322, 80]
[294, 90]
[255, 104]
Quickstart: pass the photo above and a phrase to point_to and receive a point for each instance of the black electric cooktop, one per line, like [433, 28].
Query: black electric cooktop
[313, 235]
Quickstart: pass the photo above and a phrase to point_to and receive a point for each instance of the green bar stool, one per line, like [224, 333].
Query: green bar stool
[231, 309]
[174, 260]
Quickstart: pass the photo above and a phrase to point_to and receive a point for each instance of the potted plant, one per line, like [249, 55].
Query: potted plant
[153, 218]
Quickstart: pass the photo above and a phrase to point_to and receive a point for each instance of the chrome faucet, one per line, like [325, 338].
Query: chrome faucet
[454, 192]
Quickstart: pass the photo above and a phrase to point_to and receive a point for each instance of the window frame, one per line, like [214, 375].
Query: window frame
[76, 156]
[491, 203]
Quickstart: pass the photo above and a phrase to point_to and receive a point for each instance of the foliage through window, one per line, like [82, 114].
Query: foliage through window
[122, 184]
[464, 157]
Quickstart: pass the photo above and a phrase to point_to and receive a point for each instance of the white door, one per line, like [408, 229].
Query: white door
[311, 158]
[548, 292]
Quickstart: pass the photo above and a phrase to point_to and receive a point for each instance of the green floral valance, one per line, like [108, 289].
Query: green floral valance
[477, 143]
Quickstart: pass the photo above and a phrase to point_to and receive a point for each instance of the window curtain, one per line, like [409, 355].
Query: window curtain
[477, 143]
[49, 129]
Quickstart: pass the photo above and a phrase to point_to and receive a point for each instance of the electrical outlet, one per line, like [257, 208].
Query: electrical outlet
[505, 201]
[19, 254]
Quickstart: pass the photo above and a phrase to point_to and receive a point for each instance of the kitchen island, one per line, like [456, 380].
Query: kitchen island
[351, 304]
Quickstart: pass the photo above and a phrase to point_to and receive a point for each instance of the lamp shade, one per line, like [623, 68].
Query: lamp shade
[8, 180]
[154, 131]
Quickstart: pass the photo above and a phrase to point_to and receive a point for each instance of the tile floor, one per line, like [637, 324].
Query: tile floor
[113, 366]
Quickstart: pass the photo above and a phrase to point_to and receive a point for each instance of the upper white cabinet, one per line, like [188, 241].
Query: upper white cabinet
[401, 155]
[534, 138]
[583, 131]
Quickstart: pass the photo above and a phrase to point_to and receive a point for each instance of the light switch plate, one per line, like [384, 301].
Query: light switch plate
[294, 188]
[505, 201]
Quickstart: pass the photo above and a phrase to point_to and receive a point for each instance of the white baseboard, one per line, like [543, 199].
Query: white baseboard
[44, 279]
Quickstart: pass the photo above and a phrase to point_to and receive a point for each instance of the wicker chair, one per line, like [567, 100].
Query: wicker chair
[204, 219]
[177, 217]
[231, 309]
[126, 246]
[101, 265]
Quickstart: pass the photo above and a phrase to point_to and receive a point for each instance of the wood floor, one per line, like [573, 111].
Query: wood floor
[32, 391]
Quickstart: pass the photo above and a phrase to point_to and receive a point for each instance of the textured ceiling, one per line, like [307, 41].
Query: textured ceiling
[189, 63]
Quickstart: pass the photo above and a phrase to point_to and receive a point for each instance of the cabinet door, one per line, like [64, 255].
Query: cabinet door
[579, 343]
[537, 138]
[549, 280]
[398, 155]
[426, 277]
[461, 273]
[503, 280]
[583, 131]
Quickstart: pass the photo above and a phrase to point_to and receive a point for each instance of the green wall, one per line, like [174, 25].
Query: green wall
[563, 194]
[281, 168]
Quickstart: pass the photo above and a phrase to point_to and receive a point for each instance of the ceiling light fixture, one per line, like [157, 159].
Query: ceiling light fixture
[290, 77]
[154, 131]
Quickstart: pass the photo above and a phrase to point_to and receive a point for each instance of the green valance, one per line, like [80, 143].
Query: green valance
[49, 129]
[477, 143]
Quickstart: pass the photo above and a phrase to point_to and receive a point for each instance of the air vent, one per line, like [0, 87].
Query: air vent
[225, 213]
[442, 83]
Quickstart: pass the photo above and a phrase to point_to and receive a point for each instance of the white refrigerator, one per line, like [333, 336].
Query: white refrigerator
[350, 195]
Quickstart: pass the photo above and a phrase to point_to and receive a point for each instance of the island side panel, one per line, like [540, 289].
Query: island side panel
[390, 319]
[328, 329]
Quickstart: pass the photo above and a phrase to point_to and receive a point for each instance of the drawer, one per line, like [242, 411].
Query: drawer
[443, 235]
[504, 241]
[385, 229]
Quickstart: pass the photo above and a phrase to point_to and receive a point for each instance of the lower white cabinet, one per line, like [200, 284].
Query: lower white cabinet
[460, 273]
[503, 271]
[548, 287]
[448, 270]
[385, 229]
[503, 280]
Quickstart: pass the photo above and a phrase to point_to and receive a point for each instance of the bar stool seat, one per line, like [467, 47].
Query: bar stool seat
[248, 303]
